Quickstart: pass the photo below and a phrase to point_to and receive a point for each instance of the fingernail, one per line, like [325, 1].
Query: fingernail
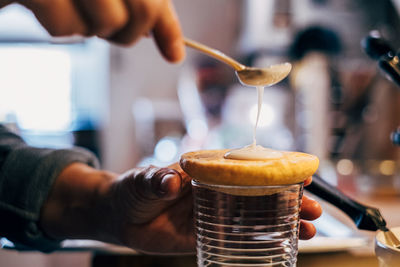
[164, 185]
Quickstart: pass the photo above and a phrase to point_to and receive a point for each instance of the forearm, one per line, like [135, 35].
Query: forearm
[77, 204]
[27, 174]
[146, 209]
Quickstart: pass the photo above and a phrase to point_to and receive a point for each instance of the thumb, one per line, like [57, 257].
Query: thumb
[154, 183]
[143, 193]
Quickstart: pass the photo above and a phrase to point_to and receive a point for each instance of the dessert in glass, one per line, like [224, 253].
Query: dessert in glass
[246, 204]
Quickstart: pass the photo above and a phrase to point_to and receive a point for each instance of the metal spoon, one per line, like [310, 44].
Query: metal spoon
[391, 238]
[247, 75]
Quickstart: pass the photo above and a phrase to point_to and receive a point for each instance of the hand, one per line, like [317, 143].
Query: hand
[152, 210]
[120, 21]
[156, 205]
[147, 209]
[310, 210]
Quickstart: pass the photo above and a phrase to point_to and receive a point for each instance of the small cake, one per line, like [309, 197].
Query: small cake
[211, 166]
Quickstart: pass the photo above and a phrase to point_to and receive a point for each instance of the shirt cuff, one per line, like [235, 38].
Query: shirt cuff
[28, 175]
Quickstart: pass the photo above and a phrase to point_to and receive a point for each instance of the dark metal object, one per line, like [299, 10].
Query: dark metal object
[388, 61]
[365, 217]
[379, 49]
[396, 137]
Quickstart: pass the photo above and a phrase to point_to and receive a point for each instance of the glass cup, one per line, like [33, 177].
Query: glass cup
[246, 225]
[388, 256]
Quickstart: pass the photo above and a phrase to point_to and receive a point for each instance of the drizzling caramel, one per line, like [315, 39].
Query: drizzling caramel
[254, 151]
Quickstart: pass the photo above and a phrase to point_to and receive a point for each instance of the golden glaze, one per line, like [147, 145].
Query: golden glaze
[210, 166]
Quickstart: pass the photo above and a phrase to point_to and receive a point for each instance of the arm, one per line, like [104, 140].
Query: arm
[49, 195]
[73, 207]
[147, 209]
[26, 177]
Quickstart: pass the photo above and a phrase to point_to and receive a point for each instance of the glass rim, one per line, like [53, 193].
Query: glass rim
[198, 183]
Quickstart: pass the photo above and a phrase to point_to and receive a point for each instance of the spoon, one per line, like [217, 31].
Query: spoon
[391, 238]
[249, 76]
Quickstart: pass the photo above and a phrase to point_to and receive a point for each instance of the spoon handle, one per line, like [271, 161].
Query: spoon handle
[214, 53]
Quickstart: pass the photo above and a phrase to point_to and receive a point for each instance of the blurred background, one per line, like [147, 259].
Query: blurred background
[132, 108]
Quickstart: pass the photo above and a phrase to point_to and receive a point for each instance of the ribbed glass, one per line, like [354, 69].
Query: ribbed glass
[247, 225]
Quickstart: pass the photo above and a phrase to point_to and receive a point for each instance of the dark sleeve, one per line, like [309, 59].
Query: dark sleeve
[26, 177]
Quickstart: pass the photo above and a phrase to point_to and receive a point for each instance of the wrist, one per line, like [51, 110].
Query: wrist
[76, 203]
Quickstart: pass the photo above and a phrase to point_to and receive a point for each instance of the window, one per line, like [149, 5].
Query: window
[35, 87]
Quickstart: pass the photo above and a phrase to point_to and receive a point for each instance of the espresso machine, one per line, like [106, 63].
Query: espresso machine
[388, 61]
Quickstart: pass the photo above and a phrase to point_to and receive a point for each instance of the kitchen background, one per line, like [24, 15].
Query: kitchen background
[132, 108]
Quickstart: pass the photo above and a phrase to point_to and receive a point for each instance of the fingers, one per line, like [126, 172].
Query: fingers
[310, 209]
[157, 183]
[168, 35]
[158, 16]
[307, 230]
[186, 179]
[59, 17]
[103, 17]
[142, 17]
[120, 21]
[308, 181]
[171, 186]
[85, 17]
[143, 193]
